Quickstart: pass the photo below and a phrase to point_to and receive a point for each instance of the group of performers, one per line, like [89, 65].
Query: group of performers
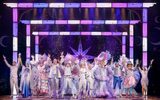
[55, 77]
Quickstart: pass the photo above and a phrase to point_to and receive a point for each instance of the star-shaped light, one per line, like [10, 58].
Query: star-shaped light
[80, 54]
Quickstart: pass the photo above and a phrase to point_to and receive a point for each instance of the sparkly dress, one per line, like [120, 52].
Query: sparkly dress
[129, 80]
[25, 82]
[43, 80]
[144, 79]
[34, 79]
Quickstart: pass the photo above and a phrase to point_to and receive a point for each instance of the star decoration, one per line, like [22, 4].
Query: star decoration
[80, 54]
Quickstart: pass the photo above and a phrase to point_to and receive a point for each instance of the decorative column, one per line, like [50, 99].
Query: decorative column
[145, 34]
[15, 34]
[36, 47]
[28, 42]
[131, 43]
[124, 45]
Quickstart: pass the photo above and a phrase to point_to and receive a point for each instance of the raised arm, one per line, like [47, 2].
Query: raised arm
[6, 62]
[94, 67]
[49, 62]
[112, 61]
[33, 61]
[150, 65]
[61, 58]
[140, 69]
[19, 60]
[137, 62]
[112, 64]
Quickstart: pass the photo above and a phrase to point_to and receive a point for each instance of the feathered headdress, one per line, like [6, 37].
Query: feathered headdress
[123, 59]
[104, 56]
[68, 58]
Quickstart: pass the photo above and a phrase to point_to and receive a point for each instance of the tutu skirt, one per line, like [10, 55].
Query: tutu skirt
[129, 82]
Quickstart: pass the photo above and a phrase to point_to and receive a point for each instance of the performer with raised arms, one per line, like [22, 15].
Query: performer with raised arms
[144, 79]
[13, 73]
[67, 68]
[129, 80]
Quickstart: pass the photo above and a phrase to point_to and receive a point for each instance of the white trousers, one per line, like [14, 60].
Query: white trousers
[90, 82]
[14, 81]
[67, 82]
[82, 85]
[76, 84]
[53, 86]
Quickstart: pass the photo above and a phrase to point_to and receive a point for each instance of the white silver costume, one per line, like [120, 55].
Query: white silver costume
[13, 76]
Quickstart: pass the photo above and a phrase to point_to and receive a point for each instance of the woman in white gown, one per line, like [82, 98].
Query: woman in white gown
[34, 77]
[25, 80]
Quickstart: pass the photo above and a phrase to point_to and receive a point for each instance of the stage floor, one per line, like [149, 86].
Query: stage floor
[68, 98]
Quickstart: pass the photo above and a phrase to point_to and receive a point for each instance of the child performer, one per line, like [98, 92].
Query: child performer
[82, 76]
[13, 73]
[129, 81]
[54, 77]
[144, 79]
[75, 74]
[68, 78]
[25, 80]
[90, 79]
[67, 68]
[117, 77]
[101, 75]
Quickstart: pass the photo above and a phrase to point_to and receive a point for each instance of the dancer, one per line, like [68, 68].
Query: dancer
[117, 77]
[25, 80]
[13, 73]
[144, 79]
[67, 77]
[129, 81]
[75, 74]
[94, 69]
[34, 76]
[102, 76]
[90, 79]
[54, 78]
[43, 77]
[110, 76]
[123, 63]
[82, 76]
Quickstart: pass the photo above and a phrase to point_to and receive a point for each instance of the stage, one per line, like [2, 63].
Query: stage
[68, 98]
[59, 43]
